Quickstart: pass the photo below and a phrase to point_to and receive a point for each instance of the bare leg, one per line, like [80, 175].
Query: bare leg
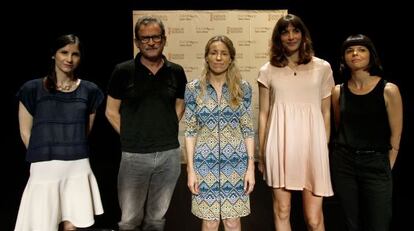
[67, 226]
[313, 212]
[210, 225]
[281, 209]
[232, 224]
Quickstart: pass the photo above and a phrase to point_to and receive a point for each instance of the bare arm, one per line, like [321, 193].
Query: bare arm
[335, 104]
[192, 181]
[25, 124]
[91, 120]
[264, 101]
[112, 113]
[179, 108]
[249, 180]
[326, 113]
[393, 104]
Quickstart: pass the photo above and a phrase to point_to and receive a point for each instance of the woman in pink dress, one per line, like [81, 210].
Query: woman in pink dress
[294, 123]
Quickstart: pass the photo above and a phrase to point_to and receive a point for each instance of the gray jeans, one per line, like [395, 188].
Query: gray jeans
[146, 184]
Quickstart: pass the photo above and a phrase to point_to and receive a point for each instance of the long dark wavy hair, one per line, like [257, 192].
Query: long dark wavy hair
[277, 51]
[62, 41]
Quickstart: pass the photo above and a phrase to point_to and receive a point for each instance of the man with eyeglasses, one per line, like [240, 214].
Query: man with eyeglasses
[145, 104]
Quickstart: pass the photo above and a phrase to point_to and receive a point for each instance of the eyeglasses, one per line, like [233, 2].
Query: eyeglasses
[155, 38]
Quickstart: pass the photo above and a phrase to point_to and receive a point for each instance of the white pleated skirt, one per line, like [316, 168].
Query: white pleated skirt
[59, 191]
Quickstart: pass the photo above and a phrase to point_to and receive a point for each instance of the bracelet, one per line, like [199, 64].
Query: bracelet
[250, 157]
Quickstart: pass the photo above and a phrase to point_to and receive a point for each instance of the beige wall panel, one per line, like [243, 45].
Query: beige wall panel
[188, 31]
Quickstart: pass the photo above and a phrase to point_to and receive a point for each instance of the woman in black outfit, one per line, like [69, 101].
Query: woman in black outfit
[368, 118]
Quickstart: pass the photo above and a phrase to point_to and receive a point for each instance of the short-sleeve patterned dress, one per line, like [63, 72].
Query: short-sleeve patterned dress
[296, 148]
[220, 158]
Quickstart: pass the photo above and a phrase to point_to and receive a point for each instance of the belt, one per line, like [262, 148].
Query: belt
[362, 151]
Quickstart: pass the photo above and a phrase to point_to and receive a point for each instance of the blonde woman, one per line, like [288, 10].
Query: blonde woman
[219, 139]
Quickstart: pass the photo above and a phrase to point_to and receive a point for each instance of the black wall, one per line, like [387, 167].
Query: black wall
[105, 27]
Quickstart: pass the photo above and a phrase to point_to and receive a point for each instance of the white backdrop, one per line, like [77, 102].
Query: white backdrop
[188, 31]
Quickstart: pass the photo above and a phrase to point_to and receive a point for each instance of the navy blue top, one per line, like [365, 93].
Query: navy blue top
[149, 121]
[60, 120]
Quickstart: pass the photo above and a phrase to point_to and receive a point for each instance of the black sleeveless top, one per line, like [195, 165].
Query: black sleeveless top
[363, 121]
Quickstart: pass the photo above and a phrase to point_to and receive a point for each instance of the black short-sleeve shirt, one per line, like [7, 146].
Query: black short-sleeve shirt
[149, 121]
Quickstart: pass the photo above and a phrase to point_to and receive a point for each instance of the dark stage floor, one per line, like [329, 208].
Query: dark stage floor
[179, 217]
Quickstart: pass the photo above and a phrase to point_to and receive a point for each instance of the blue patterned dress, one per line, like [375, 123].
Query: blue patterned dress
[220, 158]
